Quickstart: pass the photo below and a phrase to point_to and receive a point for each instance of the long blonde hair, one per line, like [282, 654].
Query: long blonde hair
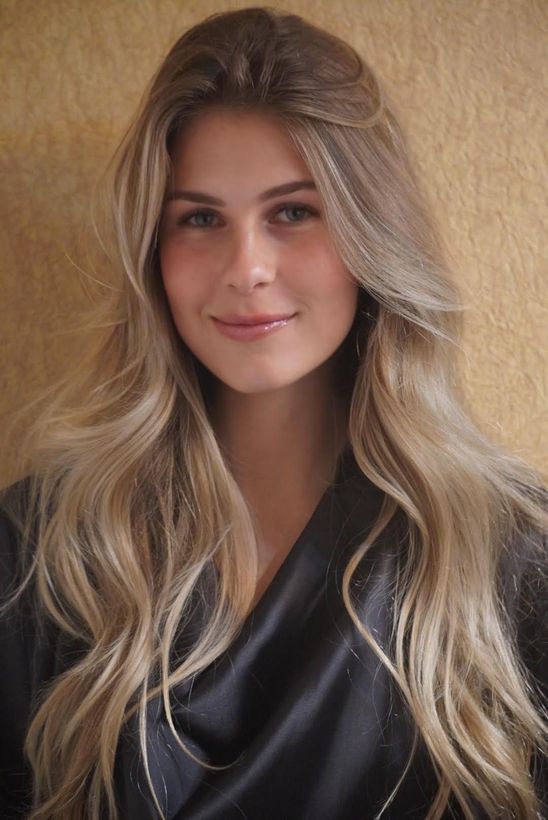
[131, 502]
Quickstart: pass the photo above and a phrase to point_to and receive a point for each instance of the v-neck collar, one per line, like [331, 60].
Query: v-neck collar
[341, 519]
[299, 621]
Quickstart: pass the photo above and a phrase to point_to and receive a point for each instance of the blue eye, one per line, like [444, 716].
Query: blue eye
[303, 209]
[187, 220]
[203, 218]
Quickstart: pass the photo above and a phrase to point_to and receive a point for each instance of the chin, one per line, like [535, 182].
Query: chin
[256, 386]
[256, 383]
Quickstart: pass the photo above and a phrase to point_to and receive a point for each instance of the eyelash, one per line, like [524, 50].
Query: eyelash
[185, 220]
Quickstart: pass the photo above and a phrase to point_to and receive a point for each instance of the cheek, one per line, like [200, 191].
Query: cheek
[183, 282]
[329, 285]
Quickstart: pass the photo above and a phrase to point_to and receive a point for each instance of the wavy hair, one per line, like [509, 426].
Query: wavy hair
[131, 502]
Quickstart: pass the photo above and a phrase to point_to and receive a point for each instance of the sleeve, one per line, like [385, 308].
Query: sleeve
[16, 648]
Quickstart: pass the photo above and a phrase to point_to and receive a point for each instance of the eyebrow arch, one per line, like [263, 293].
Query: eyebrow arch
[278, 190]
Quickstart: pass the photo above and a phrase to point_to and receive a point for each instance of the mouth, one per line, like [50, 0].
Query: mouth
[249, 328]
[257, 319]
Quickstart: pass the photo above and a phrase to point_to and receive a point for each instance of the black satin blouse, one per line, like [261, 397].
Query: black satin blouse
[299, 711]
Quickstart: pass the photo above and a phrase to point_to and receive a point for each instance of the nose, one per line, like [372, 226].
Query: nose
[250, 262]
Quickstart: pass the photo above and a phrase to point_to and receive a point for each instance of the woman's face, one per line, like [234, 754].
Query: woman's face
[255, 286]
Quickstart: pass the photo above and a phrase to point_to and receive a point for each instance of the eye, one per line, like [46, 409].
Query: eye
[202, 216]
[300, 213]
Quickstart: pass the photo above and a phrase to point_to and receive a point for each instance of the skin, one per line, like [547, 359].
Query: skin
[275, 412]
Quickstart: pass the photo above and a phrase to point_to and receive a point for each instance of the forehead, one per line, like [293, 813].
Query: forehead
[226, 143]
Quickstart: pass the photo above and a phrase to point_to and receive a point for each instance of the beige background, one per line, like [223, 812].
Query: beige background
[468, 78]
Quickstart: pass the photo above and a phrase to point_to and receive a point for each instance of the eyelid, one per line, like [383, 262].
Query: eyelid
[304, 205]
[181, 220]
[312, 211]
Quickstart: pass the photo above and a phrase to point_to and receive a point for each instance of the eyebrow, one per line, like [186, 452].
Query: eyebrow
[278, 190]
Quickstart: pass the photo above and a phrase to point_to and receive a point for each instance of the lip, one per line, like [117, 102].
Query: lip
[255, 319]
[249, 328]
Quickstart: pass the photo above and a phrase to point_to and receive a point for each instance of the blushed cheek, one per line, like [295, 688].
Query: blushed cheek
[174, 288]
[188, 275]
[174, 276]
[340, 288]
[167, 268]
[345, 302]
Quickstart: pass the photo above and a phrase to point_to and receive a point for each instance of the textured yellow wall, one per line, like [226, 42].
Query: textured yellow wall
[465, 76]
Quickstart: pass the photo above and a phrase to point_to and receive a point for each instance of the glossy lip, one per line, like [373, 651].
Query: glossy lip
[250, 328]
[256, 319]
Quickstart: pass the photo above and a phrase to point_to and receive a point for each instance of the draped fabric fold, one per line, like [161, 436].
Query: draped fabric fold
[299, 709]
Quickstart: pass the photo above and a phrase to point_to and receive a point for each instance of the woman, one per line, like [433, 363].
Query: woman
[264, 566]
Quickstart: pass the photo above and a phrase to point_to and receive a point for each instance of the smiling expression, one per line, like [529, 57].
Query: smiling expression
[254, 283]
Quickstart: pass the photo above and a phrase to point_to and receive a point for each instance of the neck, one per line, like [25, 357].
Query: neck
[283, 441]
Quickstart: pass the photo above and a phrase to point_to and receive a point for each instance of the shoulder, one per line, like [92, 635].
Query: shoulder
[524, 583]
[22, 622]
[21, 625]
[28, 639]
[14, 554]
[19, 645]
